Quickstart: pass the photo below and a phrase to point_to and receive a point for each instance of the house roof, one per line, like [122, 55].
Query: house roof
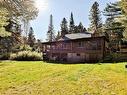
[75, 36]
[80, 39]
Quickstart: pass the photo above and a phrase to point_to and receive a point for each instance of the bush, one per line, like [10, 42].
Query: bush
[26, 56]
[107, 58]
[5, 56]
[25, 48]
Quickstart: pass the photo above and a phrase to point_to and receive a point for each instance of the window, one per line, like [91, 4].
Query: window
[80, 44]
[78, 54]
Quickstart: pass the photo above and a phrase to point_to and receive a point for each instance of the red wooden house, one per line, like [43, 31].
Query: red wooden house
[77, 47]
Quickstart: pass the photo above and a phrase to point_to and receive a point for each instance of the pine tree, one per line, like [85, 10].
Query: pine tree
[31, 38]
[72, 24]
[124, 6]
[64, 27]
[50, 33]
[58, 35]
[123, 19]
[84, 29]
[113, 27]
[80, 28]
[76, 29]
[95, 18]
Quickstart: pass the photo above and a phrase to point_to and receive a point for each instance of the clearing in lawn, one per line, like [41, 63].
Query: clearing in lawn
[40, 78]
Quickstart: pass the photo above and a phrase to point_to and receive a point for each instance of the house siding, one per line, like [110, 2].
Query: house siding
[84, 50]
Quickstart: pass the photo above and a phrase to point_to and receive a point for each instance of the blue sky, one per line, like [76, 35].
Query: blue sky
[60, 9]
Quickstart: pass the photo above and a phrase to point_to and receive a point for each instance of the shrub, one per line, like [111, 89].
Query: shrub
[25, 48]
[5, 56]
[26, 56]
[108, 58]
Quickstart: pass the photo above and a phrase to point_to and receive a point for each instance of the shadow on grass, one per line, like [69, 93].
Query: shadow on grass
[72, 63]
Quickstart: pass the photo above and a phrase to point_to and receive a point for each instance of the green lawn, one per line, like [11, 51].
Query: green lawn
[39, 78]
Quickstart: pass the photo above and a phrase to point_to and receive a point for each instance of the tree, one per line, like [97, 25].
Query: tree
[25, 10]
[95, 18]
[58, 35]
[80, 28]
[72, 24]
[39, 46]
[50, 33]
[124, 6]
[123, 19]
[16, 11]
[113, 27]
[31, 38]
[64, 27]
[3, 22]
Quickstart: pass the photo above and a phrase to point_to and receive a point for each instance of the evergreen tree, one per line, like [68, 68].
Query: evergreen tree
[58, 35]
[31, 38]
[80, 28]
[95, 18]
[124, 6]
[39, 47]
[64, 27]
[123, 19]
[50, 33]
[84, 29]
[76, 29]
[72, 24]
[113, 27]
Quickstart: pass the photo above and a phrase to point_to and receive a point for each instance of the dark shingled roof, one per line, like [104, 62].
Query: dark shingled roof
[75, 36]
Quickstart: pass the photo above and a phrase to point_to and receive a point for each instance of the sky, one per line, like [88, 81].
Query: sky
[60, 9]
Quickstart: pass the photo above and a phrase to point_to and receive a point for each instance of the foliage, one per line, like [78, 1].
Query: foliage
[39, 46]
[24, 8]
[123, 19]
[31, 38]
[50, 33]
[9, 44]
[3, 22]
[40, 78]
[124, 6]
[72, 24]
[26, 56]
[80, 28]
[64, 27]
[113, 27]
[5, 56]
[95, 18]
[25, 48]
[58, 35]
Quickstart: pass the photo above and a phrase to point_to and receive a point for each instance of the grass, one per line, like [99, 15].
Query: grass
[40, 78]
